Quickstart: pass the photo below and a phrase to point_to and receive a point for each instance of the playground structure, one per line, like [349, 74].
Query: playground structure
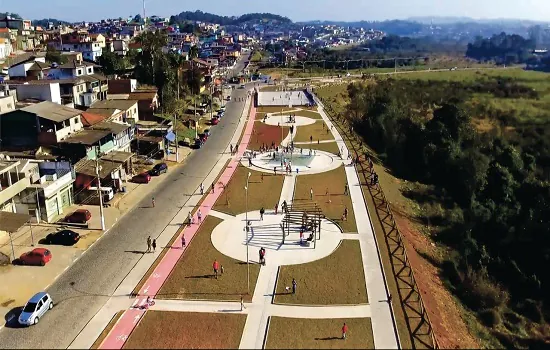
[306, 216]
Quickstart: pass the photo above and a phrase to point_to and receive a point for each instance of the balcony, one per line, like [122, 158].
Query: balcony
[7, 193]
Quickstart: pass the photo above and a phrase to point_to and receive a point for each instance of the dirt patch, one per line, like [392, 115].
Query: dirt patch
[299, 333]
[336, 279]
[264, 134]
[187, 330]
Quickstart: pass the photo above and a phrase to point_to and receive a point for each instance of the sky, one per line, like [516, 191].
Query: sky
[301, 10]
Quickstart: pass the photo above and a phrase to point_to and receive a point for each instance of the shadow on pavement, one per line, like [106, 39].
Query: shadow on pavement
[12, 316]
[328, 338]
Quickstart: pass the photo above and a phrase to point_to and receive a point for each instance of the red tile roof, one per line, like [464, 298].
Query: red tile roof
[89, 119]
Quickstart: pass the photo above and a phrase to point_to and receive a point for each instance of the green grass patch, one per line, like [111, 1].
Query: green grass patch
[192, 277]
[336, 279]
[304, 113]
[331, 147]
[317, 131]
[333, 203]
[187, 330]
[260, 194]
[300, 333]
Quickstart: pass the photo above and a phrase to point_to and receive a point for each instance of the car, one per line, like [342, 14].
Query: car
[214, 121]
[35, 308]
[198, 143]
[36, 257]
[242, 86]
[80, 216]
[63, 237]
[228, 98]
[159, 169]
[142, 178]
[203, 137]
[207, 132]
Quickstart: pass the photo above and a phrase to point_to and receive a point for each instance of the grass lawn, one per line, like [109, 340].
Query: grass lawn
[306, 333]
[304, 113]
[334, 181]
[273, 109]
[187, 330]
[331, 147]
[265, 194]
[192, 277]
[265, 134]
[260, 116]
[318, 131]
[335, 279]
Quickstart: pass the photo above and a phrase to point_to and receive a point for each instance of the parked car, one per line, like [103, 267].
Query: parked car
[37, 257]
[198, 143]
[35, 308]
[80, 216]
[107, 192]
[159, 169]
[207, 132]
[142, 178]
[214, 121]
[203, 137]
[63, 237]
[242, 86]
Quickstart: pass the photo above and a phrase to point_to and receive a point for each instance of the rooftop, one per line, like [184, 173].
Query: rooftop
[105, 112]
[52, 111]
[6, 165]
[89, 119]
[118, 104]
[88, 167]
[87, 136]
[11, 222]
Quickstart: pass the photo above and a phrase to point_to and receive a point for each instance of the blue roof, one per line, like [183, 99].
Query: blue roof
[36, 298]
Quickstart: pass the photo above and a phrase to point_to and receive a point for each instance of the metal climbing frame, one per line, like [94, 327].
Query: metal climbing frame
[307, 215]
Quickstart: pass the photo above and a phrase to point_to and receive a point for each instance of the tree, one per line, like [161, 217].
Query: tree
[193, 52]
[110, 62]
[54, 56]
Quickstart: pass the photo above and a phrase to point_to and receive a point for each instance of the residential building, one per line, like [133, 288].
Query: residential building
[31, 68]
[120, 47]
[42, 90]
[11, 185]
[128, 108]
[42, 124]
[5, 48]
[122, 86]
[91, 48]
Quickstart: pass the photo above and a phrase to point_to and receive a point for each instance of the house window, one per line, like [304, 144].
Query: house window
[90, 70]
[79, 72]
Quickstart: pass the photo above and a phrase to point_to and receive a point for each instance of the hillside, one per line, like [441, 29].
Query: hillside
[225, 20]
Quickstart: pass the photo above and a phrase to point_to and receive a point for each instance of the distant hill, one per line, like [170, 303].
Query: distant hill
[225, 20]
[453, 20]
[44, 22]
[395, 27]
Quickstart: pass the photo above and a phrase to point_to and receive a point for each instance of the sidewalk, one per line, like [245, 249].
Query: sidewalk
[119, 300]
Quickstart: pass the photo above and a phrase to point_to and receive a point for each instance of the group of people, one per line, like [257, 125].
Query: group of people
[233, 149]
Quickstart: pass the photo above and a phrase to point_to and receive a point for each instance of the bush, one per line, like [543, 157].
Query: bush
[490, 317]
[532, 310]
[481, 292]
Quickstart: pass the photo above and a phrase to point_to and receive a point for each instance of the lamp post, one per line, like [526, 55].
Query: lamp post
[247, 229]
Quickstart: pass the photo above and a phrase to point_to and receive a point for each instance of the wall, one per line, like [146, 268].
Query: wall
[7, 104]
[49, 92]
[71, 126]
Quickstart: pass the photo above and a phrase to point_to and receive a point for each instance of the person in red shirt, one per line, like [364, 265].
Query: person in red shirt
[216, 266]
[344, 330]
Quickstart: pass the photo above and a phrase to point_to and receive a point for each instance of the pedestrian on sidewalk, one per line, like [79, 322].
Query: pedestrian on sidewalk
[182, 241]
[231, 149]
[262, 211]
[301, 236]
[242, 304]
[389, 298]
[294, 285]
[215, 267]
[310, 138]
[153, 201]
[346, 189]
[154, 245]
[311, 193]
[344, 331]
[276, 208]
[199, 216]
[275, 170]
[202, 189]
[212, 187]
[222, 270]
[236, 148]
[148, 244]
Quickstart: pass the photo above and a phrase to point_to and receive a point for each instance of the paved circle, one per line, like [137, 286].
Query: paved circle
[305, 160]
[284, 120]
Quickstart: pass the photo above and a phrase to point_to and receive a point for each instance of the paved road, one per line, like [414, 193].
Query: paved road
[83, 289]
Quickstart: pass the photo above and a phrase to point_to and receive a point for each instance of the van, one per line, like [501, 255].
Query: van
[107, 192]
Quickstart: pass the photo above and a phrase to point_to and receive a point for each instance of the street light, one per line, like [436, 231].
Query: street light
[247, 228]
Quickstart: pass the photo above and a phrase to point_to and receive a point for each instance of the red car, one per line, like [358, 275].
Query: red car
[80, 216]
[37, 256]
[142, 178]
[214, 121]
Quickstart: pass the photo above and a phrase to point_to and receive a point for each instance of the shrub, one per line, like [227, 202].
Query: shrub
[532, 310]
[490, 317]
[481, 292]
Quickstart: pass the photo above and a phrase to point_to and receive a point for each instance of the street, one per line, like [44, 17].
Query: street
[86, 285]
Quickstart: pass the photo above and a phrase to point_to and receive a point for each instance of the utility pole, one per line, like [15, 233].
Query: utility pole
[176, 133]
[247, 228]
[97, 170]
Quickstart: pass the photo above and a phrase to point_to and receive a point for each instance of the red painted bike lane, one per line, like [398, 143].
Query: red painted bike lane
[131, 317]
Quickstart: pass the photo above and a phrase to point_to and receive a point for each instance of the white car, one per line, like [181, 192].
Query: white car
[35, 308]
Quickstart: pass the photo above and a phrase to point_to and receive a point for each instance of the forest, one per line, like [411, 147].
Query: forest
[502, 48]
[224, 20]
[493, 189]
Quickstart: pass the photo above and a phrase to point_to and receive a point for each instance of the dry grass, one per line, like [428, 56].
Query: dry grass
[272, 109]
[330, 147]
[192, 277]
[317, 132]
[233, 200]
[187, 330]
[336, 279]
[107, 330]
[299, 333]
[332, 204]
[304, 113]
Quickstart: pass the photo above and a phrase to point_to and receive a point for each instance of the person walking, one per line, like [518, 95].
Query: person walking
[154, 245]
[346, 189]
[202, 189]
[215, 267]
[231, 149]
[242, 304]
[294, 285]
[182, 241]
[301, 236]
[344, 331]
[262, 211]
[311, 193]
[153, 201]
[212, 187]
[276, 208]
[148, 244]
[199, 216]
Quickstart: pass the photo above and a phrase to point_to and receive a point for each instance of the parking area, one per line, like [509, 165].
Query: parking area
[19, 283]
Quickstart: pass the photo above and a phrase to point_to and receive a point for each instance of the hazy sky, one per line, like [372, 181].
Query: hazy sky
[297, 10]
